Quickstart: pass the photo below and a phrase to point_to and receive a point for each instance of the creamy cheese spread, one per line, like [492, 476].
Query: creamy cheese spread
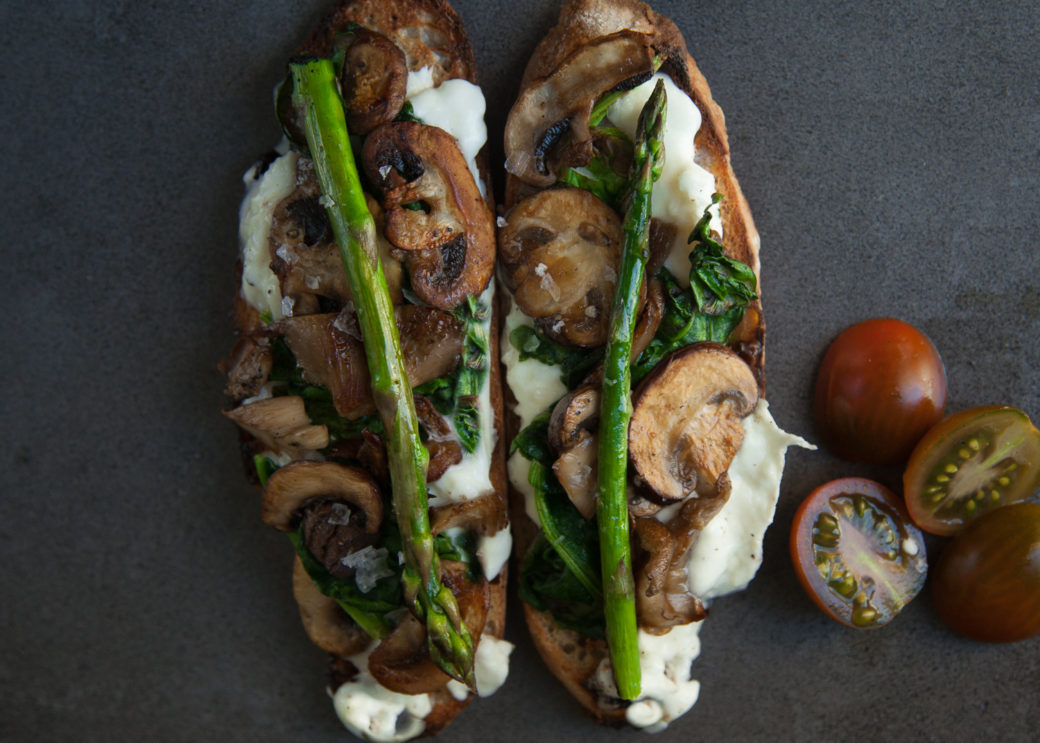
[373, 712]
[457, 107]
[490, 668]
[260, 287]
[684, 189]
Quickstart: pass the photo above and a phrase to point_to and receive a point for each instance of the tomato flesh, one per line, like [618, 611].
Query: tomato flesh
[856, 553]
[986, 584]
[880, 386]
[969, 464]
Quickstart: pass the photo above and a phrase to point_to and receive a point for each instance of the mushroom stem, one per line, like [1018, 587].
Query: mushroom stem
[616, 406]
[450, 643]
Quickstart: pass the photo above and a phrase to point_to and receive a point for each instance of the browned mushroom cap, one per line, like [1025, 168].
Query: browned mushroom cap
[663, 598]
[561, 249]
[290, 488]
[373, 80]
[402, 663]
[649, 318]
[304, 253]
[431, 342]
[686, 423]
[330, 352]
[434, 211]
[575, 469]
[281, 425]
[575, 413]
[571, 434]
[247, 368]
[548, 107]
[325, 622]
[442, 444]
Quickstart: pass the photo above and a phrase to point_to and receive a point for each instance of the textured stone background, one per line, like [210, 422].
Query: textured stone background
[889, 151]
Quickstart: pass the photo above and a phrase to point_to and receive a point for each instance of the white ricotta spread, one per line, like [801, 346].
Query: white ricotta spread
[490, 668]
[457, 107]
[728, 552]
[685, 189]
[372, 712]
[471, 476]
[493, 551]
[260, 287]
[536, 386]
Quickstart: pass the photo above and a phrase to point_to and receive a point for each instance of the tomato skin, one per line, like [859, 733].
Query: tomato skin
[856, 552]
[985, 457]
[880, 386]
[986, 585]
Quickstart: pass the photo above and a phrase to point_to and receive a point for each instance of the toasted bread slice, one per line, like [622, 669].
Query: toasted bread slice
[571, 656]
[430, 35]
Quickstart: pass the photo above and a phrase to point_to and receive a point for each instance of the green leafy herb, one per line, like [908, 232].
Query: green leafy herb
[575, 363]
[720, 290]
[441, 392]
[574, 539]
[571, 570]
[533, 441]
[369, 609]
[407, 113]
[264, 468]
[547, 584]
[472, 372]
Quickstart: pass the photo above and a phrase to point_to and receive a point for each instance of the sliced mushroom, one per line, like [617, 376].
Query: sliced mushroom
[333, 531]
[561, 249]
[562, 101]
[576, 413]
[442, 444]
[575, 469]
[247, 368]
[485, 515]
[434, 211]
[373, 80]
[328, 626]
[571, 434]
[281, 425]
[686, 422]
[431, 342]
[330, 352]
[649, 318]
[402, 662]
[304, 253]
[663, 597]
[290, 488]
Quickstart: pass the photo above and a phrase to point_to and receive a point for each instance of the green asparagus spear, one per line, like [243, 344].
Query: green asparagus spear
[315, 92]
[616, 406]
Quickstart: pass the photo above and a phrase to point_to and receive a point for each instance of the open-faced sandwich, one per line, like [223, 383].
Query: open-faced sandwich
[365, 378]
[645, 463]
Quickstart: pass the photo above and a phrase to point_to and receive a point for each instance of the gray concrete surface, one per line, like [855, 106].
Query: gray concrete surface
[891, 156]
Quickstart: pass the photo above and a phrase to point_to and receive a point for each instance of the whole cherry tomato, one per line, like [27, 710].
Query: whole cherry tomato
[881, 385]
[986, 584]
[856, 552]
[970, 463]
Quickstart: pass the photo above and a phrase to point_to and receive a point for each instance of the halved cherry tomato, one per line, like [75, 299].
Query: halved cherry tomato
[881, 385]
[856, 552]
[970, 463]
[987, 582]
